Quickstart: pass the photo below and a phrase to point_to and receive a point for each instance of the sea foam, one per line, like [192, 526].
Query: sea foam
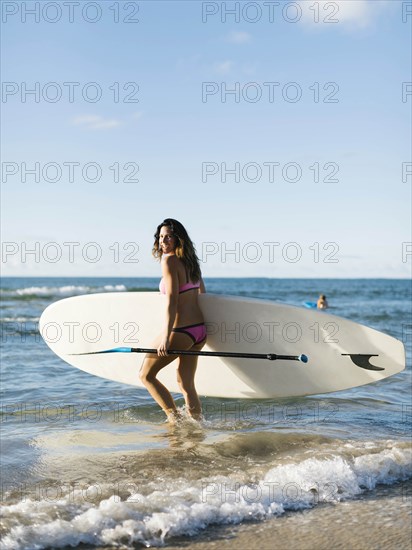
[181, 508]
[67, 290]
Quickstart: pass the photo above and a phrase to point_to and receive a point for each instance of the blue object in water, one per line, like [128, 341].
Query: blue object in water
[310, 304]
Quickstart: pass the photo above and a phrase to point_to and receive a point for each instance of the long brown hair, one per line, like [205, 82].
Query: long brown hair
[185, 249]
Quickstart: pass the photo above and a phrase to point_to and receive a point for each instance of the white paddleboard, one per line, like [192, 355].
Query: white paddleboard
[342, 354]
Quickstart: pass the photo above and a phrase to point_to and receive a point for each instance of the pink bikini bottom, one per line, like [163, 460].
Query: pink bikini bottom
[196, 332]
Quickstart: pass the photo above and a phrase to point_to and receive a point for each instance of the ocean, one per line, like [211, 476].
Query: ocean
[89, 463]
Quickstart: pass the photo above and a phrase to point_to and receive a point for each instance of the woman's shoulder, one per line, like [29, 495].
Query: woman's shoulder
[170, 261]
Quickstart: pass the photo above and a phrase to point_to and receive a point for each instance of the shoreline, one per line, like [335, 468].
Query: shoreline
[377, 520]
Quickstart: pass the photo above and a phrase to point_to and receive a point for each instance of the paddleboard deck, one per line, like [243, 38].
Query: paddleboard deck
[342, 354]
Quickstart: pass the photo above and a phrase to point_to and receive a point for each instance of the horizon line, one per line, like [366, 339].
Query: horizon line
[206, 277]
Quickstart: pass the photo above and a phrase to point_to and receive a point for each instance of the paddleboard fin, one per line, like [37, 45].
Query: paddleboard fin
[362, 360]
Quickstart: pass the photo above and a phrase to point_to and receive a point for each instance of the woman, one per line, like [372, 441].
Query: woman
[184, 327]
[322, 302]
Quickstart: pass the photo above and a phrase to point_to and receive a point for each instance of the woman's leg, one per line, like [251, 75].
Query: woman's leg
[150, 368]
[186, 378]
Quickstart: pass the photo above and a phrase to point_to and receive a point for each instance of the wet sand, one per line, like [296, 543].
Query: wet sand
[379, 520]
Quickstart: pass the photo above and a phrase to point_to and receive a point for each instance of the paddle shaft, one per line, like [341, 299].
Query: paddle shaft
[268, 356]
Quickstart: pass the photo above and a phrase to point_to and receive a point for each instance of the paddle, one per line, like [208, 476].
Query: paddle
[269, 356]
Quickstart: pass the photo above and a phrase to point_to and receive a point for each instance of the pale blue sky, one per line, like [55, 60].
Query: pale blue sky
[170, 132]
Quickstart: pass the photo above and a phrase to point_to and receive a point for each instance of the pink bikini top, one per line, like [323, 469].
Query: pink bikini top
[183, 288]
